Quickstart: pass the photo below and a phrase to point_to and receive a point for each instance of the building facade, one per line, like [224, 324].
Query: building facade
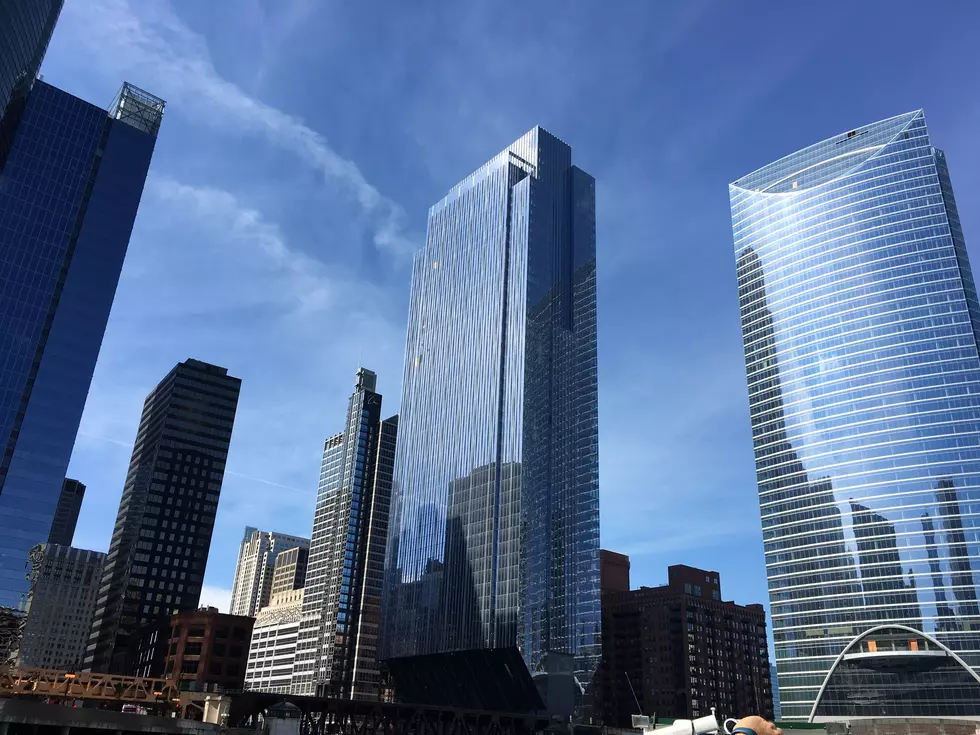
[289, 572]
[160, 543]
[66, 513]
[494, 536]
[272, 653]
[677, 651]
[203, 650]
[338, 640]
[256, 562]
[60, 609]
[69, 192]
[25, 30]
[860, 322]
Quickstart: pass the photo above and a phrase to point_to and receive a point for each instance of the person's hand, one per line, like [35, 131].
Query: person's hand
[760, 725]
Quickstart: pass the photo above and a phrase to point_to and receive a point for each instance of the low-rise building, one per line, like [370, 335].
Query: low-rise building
[205, 650]
[679, 649]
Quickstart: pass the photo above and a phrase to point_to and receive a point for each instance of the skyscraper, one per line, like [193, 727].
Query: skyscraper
[25, 29]
[66, 513]
[69, 192]
[256, 563]
[860, 322]
[495, 508]
[155, 565]
[338, 637]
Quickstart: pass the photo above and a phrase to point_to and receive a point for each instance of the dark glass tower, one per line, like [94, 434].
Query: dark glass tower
[66, 514]
[337, 650]
[160, 544]
[68, 198]
[495, 506]
[25, 29]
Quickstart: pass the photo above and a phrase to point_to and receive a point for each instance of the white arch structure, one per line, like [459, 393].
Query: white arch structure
[888, 626]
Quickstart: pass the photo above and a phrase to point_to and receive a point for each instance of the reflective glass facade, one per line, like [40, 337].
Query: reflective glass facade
[494, 537]
[895, 673]
[25, 29]
[860, 322]
[69, 193]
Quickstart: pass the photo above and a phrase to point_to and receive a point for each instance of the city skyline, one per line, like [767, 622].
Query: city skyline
[197, 192]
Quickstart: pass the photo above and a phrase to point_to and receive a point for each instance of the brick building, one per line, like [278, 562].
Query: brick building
[678, 650]
[205, 650]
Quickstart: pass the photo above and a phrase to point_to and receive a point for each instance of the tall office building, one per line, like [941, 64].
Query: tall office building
[69, 192]
[860, 321]
[60, 608]
[160, 543]
[338, 637]
[256, 563]
[66, 513]
[25, 29]
[495, 506]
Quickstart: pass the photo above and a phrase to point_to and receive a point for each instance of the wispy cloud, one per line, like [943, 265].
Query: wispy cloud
[147, 41]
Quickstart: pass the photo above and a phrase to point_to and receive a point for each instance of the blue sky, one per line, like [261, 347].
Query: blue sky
[305, 140]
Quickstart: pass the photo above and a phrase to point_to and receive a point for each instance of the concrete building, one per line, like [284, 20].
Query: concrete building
[205, 650]
[60, 608]
[272, 652]
[679, 649]
[256, 562]
[66, 514]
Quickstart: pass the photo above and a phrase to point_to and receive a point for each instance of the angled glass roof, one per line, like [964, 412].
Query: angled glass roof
[897, 671]
[827, 160]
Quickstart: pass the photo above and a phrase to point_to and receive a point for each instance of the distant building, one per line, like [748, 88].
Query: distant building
[24, 35]
[60, 608]
[289, 572]
[66, 514]
[256, 562]
[679, 650]
[204, 650]
[338, 644]
[160, 544]
[272, 653]
[70, 188]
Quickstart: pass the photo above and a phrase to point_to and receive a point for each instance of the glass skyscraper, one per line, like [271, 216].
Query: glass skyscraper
[25, 29]
[860, 322]
[494, 538]
[336, 652]
[69, 192]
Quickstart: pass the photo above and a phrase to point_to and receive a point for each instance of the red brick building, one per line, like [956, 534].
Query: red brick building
[205, 650]
[679, 649]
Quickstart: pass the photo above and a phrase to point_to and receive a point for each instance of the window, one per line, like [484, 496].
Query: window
[196, 631]
[697, 590]
[192, 649]
[687, 587]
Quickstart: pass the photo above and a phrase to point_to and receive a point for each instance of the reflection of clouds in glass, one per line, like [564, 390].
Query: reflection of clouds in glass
[859, 318]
